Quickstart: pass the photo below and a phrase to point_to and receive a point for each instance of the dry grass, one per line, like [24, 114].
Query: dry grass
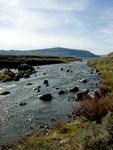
[8, 61]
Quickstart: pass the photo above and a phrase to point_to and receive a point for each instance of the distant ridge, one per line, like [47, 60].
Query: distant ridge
[57, 52]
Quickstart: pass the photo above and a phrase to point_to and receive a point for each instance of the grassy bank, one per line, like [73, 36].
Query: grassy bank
[84, 133]
[105, 66]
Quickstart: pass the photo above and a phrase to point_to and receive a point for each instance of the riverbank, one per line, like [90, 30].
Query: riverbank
[13, 61]
[84, 133]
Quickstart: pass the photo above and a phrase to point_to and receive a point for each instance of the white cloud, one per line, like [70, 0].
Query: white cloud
[58, 5]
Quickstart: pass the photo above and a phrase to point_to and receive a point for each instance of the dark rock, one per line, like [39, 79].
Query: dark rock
[69, 116]
[29, 83]
[97, 71]
[46, 83]
[73, 89]
[45, 97]
[16, 78]
[27, 75]
[61, 92]
[68, 70]
[37, 89]
[53, 120]
[41, 126]
[22, 104]
[57, 88]
[5, 93]
[61, 69]
[44, 74]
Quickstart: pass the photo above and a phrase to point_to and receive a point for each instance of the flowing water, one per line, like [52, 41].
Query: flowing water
[16, 120]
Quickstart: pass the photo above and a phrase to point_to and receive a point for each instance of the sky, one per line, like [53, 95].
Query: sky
[78, 24]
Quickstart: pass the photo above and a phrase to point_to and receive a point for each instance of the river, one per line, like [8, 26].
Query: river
[16, 120]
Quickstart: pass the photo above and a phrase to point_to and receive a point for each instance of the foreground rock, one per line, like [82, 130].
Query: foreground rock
[6, 71]
[6, 75]
[45, 97]
[5, 93]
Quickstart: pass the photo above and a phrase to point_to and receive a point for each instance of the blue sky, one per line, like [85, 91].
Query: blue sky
[79, 24]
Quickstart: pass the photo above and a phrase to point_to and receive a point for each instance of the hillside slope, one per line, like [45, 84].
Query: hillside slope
[58, 52]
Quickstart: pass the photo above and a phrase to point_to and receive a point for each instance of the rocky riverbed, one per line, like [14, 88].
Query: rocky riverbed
[23, 110]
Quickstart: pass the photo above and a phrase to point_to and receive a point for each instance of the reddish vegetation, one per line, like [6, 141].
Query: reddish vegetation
[96, 109]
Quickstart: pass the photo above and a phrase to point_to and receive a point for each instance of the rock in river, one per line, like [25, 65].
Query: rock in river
[45, 97]
[73, 89]
[22, 104]
[46, 83]
[84, 80]
[24, 67]
[5, 93]
[61, 92]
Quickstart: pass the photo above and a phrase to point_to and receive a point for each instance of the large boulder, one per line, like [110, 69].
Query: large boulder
[45, 97]
[6, 75]
[25, 67]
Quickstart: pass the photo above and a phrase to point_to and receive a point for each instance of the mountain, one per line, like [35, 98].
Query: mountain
[58, 51]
